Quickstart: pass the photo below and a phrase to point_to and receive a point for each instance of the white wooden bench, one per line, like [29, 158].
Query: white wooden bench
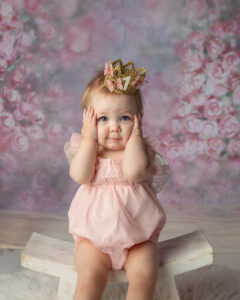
[178, 255]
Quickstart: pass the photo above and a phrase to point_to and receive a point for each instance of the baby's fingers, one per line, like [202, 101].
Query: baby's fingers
[136, 122]
[88, 114]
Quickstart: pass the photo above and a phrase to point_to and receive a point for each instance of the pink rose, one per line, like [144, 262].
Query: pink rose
[216, 71]
[8, 17]
[236, 95]
[231, 61]
[37, 117]
[196, 38]
[215, 47]
[195, 8]
[34, 99]
[7, 122]
[25, 108]
[234, 80]
[11, 95]
[231, 26]
[212, 108]
[32, 6]
[193, 60]
[19, 142]
[219, 30]
[214, 87]
[193, 123]
[7, 51]
[234, 147]
[21, 72]
[17, 78]
[214, 146]
[228, 126]
[209, 129]
[183, 108]
[34, 132]
[47, 32]
[18, 115]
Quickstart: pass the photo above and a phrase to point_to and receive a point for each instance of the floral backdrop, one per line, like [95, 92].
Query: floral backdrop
[49, 50]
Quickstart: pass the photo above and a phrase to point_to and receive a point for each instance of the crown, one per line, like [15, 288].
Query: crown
[123, 79]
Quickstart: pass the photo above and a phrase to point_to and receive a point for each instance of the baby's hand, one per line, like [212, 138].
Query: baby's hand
[89, 128]
[137, 127]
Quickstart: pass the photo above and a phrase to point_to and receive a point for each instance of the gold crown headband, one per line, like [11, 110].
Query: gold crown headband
[123, 79]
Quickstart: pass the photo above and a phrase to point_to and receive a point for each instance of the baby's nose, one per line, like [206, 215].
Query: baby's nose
[115, 126]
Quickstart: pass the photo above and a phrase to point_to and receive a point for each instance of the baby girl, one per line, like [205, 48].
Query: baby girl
[115, 217]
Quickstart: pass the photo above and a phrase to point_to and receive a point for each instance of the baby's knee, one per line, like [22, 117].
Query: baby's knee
[143, 274]
[91, 278]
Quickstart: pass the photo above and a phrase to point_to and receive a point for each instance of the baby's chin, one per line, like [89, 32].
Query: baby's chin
[113, 147]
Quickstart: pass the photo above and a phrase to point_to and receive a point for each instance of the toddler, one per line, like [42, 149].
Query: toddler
[115, 217]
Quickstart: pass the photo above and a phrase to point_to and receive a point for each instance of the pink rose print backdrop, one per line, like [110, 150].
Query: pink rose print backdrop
[50, 49]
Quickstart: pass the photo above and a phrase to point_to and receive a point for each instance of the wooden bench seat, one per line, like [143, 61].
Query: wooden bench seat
[178, 255]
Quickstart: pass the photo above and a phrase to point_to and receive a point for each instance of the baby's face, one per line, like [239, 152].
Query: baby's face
[114, 119]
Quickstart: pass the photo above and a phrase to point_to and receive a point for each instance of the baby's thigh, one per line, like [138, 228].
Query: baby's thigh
[88, 258]
[142, 261]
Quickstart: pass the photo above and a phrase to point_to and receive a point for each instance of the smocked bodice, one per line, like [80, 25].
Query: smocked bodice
[109, 171]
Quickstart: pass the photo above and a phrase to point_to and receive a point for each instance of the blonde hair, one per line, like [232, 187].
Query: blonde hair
[96, 84]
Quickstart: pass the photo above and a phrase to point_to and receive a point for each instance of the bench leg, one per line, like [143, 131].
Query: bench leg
[166, 286]
[67, 285]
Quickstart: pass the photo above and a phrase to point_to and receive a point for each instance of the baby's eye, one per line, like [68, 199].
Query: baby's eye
[102, 119]
[126, 118]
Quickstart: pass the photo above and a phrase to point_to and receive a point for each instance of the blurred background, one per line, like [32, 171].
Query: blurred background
[49, 50]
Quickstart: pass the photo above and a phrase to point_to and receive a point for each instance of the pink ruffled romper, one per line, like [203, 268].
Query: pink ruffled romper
[113, 213]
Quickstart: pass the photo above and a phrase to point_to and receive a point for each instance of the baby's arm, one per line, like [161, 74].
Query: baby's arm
[138, 157]
[82, 165]
[136, 163]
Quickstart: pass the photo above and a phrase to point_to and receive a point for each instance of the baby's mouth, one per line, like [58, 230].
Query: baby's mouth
[115, 139]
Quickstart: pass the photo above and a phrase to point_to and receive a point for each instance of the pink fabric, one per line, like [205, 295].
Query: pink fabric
[113, 213]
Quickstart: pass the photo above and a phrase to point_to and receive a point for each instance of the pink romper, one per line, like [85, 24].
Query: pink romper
[113, 213]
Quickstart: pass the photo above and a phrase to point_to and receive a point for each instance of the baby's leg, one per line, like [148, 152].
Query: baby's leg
[92, 267]
[141, 266]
